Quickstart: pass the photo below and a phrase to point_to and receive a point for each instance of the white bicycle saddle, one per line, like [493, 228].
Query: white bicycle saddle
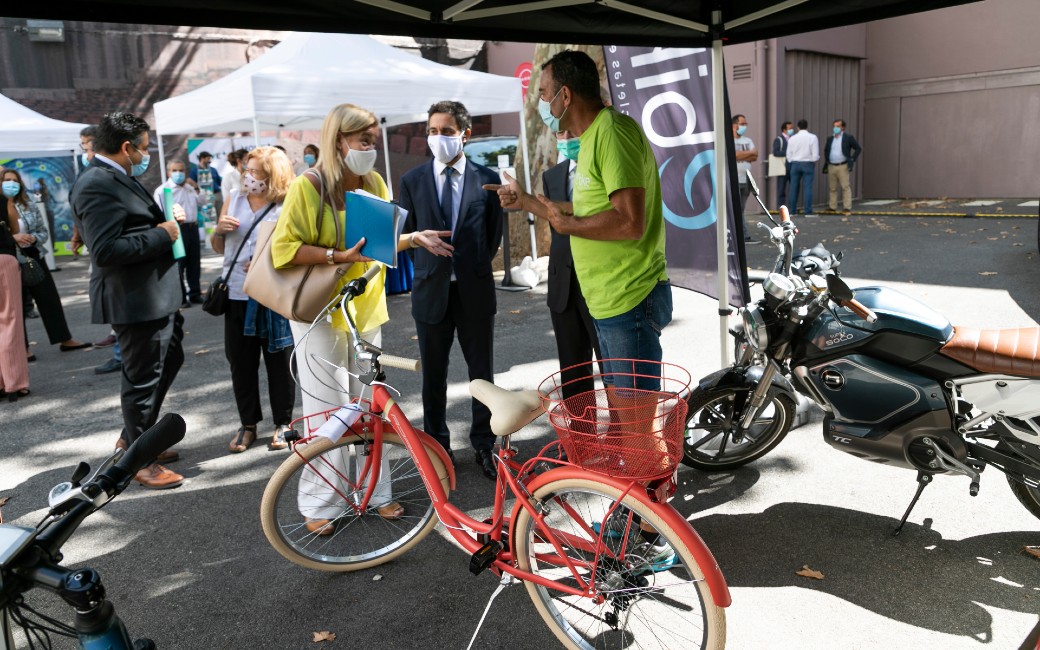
[510, 410]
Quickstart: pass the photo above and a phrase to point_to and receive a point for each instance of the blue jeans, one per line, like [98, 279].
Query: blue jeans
[116, 354]
[801, 178]
[636, 335]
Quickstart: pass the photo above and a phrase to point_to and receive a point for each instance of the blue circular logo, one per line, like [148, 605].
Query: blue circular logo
[708, 216]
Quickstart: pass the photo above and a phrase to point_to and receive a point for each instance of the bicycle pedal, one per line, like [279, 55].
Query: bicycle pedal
[484, 557]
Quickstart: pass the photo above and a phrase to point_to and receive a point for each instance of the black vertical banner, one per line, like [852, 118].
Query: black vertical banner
[668, 91]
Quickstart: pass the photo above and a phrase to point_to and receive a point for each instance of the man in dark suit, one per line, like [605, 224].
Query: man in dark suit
[839, 155]
[572, 325]
[457, 293]
[134, 283]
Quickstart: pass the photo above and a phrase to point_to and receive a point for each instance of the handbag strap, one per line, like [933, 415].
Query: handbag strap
[256, 222]
[321, 203]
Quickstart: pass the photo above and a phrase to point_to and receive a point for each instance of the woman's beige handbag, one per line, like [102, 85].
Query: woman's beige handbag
[298, 293]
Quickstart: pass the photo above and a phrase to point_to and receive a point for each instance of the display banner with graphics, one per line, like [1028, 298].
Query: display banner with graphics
[48, 180]
[668, 91]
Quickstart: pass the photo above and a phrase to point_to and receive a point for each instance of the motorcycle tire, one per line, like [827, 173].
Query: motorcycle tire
[712, 411]
[1028, 496]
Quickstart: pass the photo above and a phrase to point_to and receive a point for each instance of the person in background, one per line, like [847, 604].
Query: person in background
[310, 159]
[205, 162]
[32, 237]
[14, 367]
[841, 151]
[252, 331]
[746, 154]
[454, 294]
[803, 150]
[185, 194]
[573, 328]
[780, 151]
[231, 181]
[134, 282]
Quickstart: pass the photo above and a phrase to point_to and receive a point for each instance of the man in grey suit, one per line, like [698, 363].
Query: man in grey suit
[456, 293]
[134, 284]
[572, 325]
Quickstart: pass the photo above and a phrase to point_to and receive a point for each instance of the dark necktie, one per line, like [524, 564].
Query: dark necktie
[446, 198]
[570, 184]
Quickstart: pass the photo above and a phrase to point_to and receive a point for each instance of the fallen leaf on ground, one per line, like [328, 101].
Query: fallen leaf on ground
[514, 311]
[324, 635]
[1032, 550]
[415, 338]
[987, 272]
[377, 578]
[202, 351]
[809, 573]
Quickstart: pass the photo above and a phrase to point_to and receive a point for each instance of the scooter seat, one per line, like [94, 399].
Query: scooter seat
[510, 410]
[1007, 352]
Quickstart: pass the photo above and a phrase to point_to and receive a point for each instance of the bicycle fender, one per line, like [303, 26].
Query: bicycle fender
[745, 378]
[441, 453]
[701, 553]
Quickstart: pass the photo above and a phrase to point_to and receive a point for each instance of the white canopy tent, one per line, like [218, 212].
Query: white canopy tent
[296, 83]
[24, 133]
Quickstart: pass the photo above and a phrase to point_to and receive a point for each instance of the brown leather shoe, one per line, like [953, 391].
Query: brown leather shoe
[167, 456]
[320, 527]
[157, 477]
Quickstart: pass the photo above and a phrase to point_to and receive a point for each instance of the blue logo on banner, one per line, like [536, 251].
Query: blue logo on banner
[708, 216]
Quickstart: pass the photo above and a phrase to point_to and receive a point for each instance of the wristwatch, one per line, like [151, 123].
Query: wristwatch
[411, 241]
[328, 255]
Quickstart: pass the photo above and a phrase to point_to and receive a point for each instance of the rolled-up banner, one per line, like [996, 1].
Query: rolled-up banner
[668, 91]
[178, 245]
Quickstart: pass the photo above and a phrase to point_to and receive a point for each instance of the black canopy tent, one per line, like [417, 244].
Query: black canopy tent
[664, 23]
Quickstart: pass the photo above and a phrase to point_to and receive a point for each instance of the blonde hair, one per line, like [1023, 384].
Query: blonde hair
[347, 119]
[279, 171]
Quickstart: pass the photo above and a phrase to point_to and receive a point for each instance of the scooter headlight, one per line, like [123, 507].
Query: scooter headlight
[755, 328]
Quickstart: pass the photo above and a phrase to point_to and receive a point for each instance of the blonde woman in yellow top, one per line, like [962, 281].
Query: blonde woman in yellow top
[345, 163]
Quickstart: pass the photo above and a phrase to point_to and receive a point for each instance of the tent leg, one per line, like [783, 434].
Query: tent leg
[527, 183]
[162, 158]
[386, 160]
[721, 195]
[256, 132]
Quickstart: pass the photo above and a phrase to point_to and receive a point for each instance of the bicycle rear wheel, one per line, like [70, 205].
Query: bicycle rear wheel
[644, 600]
[323, 486]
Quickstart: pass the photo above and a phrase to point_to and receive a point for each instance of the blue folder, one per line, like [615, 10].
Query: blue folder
[378, 221]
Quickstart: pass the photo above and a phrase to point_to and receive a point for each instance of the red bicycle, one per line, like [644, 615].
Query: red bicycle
[607, 562]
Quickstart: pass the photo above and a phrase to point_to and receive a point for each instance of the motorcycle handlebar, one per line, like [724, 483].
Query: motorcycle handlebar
[860, 310]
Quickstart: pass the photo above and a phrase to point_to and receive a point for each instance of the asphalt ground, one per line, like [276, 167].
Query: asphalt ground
[191, 569]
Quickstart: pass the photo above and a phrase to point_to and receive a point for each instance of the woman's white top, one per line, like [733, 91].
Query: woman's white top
[239, 208]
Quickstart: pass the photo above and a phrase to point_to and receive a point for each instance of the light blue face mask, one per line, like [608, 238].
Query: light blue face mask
[11, 188]
[545, 112]
[178, 177]
[140, 168]
[741, 129]
[837, 130]
[790, 132]
[83, 160]
[309, 159]
[569, 147]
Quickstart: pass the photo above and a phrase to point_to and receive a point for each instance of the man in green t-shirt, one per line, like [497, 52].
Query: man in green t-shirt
[615, 218]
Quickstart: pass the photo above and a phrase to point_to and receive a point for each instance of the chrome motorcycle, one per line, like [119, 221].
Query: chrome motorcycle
[898, 384]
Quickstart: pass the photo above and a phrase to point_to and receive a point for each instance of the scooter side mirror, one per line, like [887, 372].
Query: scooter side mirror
[839, 291]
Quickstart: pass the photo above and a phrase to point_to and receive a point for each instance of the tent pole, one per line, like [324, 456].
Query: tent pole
[721, 197]
[256, 131]
[527, 183]
[162, 158]
[386, 161]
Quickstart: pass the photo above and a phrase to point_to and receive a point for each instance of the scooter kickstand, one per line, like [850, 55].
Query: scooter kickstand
[502, 584]
[923, 479]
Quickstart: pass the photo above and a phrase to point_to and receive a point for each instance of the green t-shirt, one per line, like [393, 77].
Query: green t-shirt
[616, 275]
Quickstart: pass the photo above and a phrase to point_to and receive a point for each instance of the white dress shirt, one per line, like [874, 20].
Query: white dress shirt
[457, 179]
[186, 195]
[803, 147]
[111, 163]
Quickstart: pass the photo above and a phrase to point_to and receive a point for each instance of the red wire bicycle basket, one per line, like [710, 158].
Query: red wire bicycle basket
[626, 420]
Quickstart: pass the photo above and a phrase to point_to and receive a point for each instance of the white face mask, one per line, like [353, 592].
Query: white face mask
[360, 162]
[445, 147]
[252, 185]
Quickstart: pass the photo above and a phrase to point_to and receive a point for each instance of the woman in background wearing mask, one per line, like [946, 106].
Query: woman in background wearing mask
[345, 163]
[310, 155]
[252, 331]
[31, 237]
[14, 369]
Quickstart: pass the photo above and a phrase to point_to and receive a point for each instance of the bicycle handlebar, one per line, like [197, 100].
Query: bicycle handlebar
[403, 363]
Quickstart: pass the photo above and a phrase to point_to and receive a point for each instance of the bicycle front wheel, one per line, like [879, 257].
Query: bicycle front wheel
[648, 591]
[310, 509]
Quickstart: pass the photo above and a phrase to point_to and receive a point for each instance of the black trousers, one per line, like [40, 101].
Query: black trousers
[191, 264]
[576, 340]
[48, 302]
[243, 354]
[781, 189]
[476, 337]
[152, 354]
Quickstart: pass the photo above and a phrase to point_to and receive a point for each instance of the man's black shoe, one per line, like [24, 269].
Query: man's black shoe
[451, 456]
[185, 305]
[111, 365]
[196, 300]
[486, 459]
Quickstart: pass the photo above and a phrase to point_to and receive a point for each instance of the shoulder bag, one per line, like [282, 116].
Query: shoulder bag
[298, 293]
[216, 298]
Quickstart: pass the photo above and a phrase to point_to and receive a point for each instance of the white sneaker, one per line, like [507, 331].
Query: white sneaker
[659, 557]
[810, 216]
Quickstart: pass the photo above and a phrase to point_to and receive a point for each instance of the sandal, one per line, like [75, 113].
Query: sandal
[319, 527]
[13, 397]
[278, 442]
[391, 511]
[244, 437]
